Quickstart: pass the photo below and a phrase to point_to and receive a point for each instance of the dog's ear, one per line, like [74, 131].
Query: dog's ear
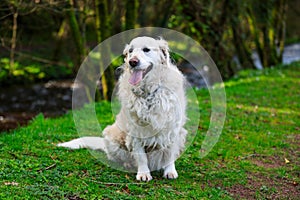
[118, 71]
[125, 51]
[164, 47]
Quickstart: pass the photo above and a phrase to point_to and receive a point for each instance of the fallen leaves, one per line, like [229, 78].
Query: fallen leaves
[11, 183]
[286, 161]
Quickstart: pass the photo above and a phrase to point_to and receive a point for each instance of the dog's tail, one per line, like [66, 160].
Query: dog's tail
[94, 143]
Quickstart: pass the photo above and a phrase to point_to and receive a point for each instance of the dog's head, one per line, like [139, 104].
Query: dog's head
[142, 55]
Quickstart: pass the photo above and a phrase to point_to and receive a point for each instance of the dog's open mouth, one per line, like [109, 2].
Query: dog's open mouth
[137, 75]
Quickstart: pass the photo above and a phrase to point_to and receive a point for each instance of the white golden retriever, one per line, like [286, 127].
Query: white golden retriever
[148, 132]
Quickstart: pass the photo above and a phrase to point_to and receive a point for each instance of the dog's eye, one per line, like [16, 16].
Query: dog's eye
[146, 49]
[130, 50]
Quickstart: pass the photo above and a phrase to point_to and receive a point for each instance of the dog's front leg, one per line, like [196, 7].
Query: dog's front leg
[170, 171]
[143, 173]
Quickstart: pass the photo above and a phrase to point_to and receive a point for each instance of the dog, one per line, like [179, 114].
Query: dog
[148, 132]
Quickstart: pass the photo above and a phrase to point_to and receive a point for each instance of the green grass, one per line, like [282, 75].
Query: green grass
[248, 162]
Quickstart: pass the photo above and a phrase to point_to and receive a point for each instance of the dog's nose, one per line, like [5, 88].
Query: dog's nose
[133, 62]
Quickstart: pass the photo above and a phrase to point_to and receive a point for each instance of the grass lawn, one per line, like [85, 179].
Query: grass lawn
[256, 157]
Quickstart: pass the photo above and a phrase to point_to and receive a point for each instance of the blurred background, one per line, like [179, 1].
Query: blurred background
[43, 43]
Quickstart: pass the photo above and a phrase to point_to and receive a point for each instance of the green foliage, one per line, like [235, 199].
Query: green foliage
[224, 28]
[261, 128]
[29, 73]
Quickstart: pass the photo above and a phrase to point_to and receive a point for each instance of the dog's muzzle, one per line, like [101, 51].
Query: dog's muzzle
[133, 62]
[137, 75]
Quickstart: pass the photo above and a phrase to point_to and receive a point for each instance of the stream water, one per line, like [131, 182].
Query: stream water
[291, 53]
[21, 103]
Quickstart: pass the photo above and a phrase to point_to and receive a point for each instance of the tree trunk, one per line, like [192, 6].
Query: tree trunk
[242, 50]
[131, 13]
[77, 35]
[82, 16]
[268, 22]
[103, 32]
[210, 29]
[118, 9]
[166, 10]
[59, 40]
[13, 40]
[255, 33]
[279, 24]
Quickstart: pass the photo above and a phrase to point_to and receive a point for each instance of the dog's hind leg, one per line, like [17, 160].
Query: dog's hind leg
[94, 143]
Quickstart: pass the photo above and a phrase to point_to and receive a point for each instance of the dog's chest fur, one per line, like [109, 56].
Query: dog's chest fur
[153, 107]
[154, 110]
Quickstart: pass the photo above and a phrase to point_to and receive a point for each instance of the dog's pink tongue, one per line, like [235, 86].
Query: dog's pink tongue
[136, 77]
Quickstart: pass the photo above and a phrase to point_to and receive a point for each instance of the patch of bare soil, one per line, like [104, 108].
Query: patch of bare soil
[268, 161]
[73, 197]
[293, 153]
[268, 184]
[295, 141]
[260, 186]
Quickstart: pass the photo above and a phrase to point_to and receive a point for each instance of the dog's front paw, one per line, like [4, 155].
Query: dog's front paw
[171, 175]
[141, 176]
[170, 172]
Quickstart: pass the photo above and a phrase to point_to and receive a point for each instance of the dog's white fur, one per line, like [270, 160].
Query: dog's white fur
[148, 132]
